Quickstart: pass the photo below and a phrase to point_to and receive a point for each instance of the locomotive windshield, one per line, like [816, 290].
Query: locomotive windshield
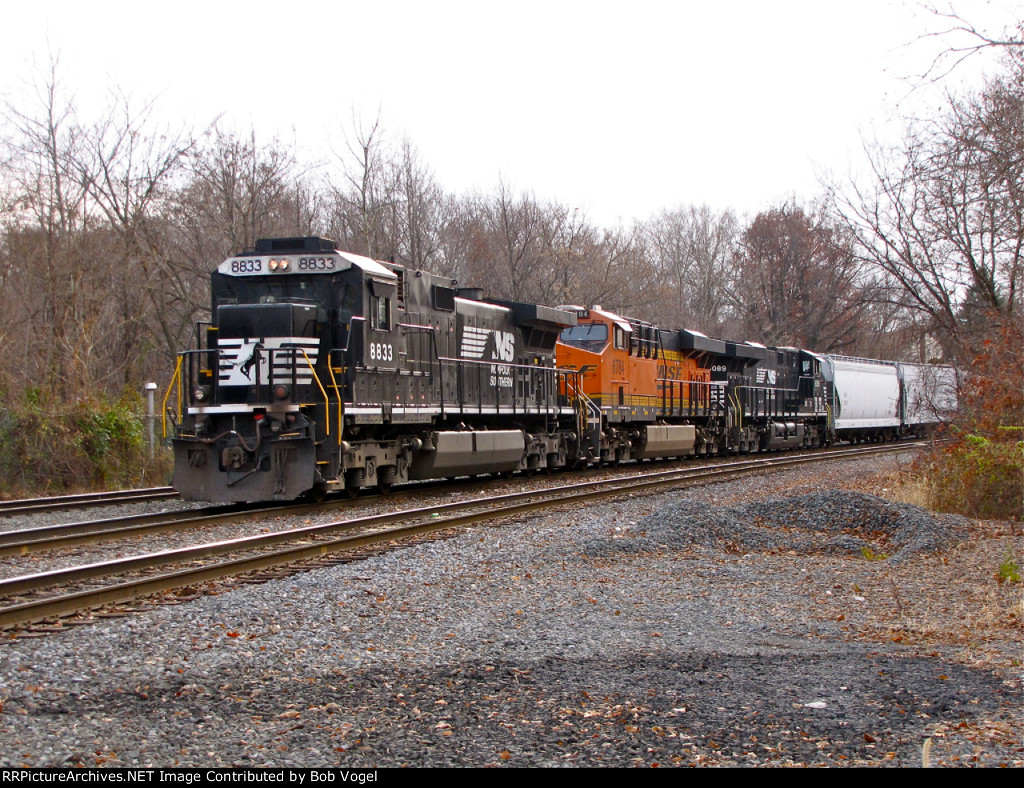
[589, 336]
[271, 290]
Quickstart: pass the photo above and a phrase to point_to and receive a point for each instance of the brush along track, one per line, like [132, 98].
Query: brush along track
[137, 576]
[84, 500]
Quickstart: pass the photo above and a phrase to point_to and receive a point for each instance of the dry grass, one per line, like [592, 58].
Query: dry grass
[953, 598]
[954, 606]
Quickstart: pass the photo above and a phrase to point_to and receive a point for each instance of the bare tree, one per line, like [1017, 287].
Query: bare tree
[235, 190]
[366, 198]
[128, 166]
[964, 39]
[584, 264]
[943, 221]
[506, 256]
[797, 281]
[691, 251]
[47, 226]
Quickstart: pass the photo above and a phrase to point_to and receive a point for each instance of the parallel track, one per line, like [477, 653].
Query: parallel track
[51, 537]
[83, 500]
[286, 547]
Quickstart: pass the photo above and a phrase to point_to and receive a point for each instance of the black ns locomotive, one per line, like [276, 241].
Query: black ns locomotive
[323, 370]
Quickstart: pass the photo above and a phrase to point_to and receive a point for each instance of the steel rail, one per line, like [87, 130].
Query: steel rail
[66, 535]
[49, 537]
[25, 541]
[48, 504]
[426, 519]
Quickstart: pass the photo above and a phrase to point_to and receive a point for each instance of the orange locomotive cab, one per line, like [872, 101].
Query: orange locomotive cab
[651, 388]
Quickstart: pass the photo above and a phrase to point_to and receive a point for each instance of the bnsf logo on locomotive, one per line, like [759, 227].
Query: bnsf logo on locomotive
[474, 342]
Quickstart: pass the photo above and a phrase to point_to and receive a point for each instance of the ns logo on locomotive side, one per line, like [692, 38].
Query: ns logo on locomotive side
[323, 370]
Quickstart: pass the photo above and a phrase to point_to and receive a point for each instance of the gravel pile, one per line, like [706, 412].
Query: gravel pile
[831, 522]
[522, 645]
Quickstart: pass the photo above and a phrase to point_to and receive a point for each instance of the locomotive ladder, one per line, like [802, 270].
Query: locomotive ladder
[588, 417]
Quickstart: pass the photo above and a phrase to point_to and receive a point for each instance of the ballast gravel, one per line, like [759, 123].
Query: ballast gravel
[831, 522]
[695, 627]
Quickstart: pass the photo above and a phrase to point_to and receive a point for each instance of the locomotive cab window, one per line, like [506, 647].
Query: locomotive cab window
[589, 336]
[381, 294]
[620, 339]
[380, 313]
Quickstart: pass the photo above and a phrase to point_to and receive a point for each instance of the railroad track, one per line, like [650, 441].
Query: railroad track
[65, 535]
[26, 541]
[37, 539]
[84, 500]
[64, 592]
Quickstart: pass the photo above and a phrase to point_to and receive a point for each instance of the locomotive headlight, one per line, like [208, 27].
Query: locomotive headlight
[282, 391]
[201, 393]
[278, 265]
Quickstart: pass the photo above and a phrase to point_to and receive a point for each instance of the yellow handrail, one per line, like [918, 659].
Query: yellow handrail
[334, 385]
[327, 401]
[175, 377]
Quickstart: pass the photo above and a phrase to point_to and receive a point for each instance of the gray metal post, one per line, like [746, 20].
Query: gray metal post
[151, 407]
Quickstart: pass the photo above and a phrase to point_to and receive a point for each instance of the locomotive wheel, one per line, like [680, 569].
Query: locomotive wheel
[387, 475]
[354, 480]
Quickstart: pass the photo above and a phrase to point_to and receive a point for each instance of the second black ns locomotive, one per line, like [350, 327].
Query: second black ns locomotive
[323, 370]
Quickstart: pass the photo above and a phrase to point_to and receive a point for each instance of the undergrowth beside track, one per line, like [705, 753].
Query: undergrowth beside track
[50, 446]
[980, 472]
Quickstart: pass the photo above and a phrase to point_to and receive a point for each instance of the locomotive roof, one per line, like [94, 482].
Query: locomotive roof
[537, 315]
[620, 321]
[371, 267]
[695, 340]
[746, 350]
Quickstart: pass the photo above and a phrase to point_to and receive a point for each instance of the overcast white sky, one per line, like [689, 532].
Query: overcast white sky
[619, 108]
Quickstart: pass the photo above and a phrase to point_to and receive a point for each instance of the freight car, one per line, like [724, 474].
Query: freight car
[322, 370]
